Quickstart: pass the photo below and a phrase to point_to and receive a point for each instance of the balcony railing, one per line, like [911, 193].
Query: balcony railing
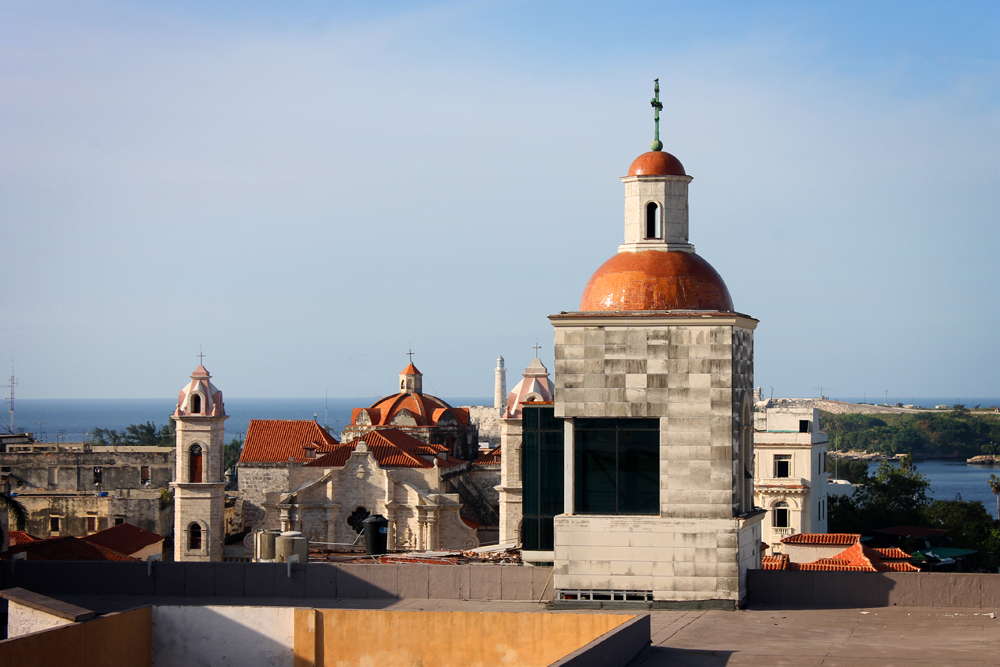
[784, 532]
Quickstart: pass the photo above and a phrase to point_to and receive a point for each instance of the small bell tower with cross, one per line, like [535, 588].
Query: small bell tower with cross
[411, 380]
[199, 485]
[656, 197]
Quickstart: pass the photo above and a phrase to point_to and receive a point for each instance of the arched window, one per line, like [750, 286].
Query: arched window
[194, 471]
[652, 220]
[196, 404]
[779, 517]
[194, 537]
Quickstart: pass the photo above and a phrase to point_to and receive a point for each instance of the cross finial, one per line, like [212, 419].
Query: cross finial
[536, 347]
[410, 354]
[657, 145]
[201, 356]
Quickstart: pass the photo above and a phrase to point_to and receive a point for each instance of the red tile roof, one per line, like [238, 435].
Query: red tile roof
[410, 370]
[284, 440]
[15, 537]
[855, 558]
[65, 548]
[892, 553]
[391, 449]
[778, 562]
[425, 409]
[490, 458]
[829, 539]
[124, 538]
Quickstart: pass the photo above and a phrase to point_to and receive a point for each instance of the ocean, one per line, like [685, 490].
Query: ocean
[71, 420]
[923, 402]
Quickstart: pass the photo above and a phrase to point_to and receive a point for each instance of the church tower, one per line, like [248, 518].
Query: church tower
[199, 499]
[654, 387]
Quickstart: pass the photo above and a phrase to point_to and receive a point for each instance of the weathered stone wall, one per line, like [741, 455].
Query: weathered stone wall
[255, 482]
[487, 419]
[691, 374]
[142, 509]
[510, 482]
[486, 479]
[74, 470]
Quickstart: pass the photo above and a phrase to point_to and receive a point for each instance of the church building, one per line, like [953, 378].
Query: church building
[649, 441]
[422, 416]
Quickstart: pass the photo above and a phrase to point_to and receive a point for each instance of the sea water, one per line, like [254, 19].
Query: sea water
[72, 420]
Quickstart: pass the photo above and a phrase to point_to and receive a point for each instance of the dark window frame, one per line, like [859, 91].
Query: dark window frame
[619, 478]
[542, 476]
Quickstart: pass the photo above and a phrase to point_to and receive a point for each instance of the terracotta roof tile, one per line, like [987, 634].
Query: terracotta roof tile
[892, 553]
[410, 370]
[831, 539]
[283, 440]
[16, 537]
[777, 562]
[855, 558]
[391, 449]
[490, 458]
[65, 548]
[427, 410]
[124, 538]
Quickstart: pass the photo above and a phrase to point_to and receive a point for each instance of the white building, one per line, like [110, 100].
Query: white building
[790, 477]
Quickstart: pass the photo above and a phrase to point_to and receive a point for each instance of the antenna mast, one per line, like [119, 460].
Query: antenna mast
[10, 399]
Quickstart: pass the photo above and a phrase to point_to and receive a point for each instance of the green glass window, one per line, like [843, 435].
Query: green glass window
[541, 475]
[617, 466]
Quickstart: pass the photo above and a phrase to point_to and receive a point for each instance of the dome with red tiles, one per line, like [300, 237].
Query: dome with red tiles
[656, 163]
[656, 280]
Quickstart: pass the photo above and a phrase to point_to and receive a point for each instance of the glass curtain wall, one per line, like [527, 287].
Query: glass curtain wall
[541, 475]
[617, 466]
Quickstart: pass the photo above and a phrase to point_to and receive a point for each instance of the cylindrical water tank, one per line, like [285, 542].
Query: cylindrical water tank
[291, 542]
[376, 534]
[265, 544]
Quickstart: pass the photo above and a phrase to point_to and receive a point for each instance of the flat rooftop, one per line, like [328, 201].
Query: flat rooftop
[761, 636]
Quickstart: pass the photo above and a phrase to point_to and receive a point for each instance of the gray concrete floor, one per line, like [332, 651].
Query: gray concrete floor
[762, 637]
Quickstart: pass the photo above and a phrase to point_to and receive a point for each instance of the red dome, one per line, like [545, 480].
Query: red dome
[656, 280]
[656, 163]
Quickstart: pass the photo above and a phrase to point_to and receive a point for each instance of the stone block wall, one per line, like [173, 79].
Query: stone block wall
[487, 420]
[676, 559]
[509, 491]
[255, 482]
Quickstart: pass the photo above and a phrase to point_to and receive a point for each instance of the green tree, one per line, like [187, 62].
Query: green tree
[851, 470]
[968, 523]
[893, 496]
[146, 435]
[995, 488]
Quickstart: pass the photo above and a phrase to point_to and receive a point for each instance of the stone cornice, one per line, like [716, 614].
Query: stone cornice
[651, 318]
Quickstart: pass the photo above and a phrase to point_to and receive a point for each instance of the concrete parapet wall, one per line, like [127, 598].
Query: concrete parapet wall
[270, 580]
[874, 589]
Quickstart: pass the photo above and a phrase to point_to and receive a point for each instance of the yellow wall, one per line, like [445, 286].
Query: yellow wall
[115, 640]
[368, 638]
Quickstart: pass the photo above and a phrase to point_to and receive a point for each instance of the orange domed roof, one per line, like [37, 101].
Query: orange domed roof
[656, 163]
[656, 280]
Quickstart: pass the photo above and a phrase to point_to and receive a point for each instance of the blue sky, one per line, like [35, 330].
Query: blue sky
[308, 189]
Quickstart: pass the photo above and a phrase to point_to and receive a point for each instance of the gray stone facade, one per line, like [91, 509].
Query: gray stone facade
[693, 373]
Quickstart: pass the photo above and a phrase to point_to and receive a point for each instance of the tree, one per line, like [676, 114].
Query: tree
[231, 456]
[855, 472]
[893, 496]
[15, 511]
[145, 435]
[995, 488]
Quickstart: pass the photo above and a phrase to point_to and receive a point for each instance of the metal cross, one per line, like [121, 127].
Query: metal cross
[410, 354]
[657, 145]
[536, 348]
[201, 356]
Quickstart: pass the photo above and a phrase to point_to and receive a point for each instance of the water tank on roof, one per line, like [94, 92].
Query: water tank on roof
[291, 542]
[265, 544]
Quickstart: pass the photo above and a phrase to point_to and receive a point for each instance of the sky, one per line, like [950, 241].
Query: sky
[307, 190]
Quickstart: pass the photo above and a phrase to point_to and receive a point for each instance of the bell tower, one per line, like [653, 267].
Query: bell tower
[199, 485]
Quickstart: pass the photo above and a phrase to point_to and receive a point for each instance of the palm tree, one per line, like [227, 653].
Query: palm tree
[995, 488]
[15, 510]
